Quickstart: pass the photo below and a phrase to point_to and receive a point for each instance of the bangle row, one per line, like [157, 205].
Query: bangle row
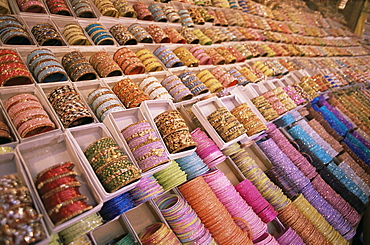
[67, 202]
[74, 35]
[82, 8]
[176, 88]
[32, 6]
[106, 8]
[210, 81]
[70, 110]
[130, 94]
[12, 69]
[186, 57]
[58, 7]
[125, 9]
[98, 34]
[78, 67]
[47, 35]
[13, 32]
[122, 35]
[28, 124]
[159, 36]
[175, 133]
[114, 169]
[152, 87]
[193, 83]
[105, 65]
[45, 66]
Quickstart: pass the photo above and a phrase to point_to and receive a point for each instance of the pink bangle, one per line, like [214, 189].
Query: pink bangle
[35, 126]
[18, 98]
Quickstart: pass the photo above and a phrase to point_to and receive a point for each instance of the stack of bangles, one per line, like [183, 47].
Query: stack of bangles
[154, 89]
[284, 98]
[193, 83]
[250, 121]
[236, 53]
[58, 7]
[249, 74]
[254, 199]
[206, 15]
[168, 58]
[221, 17]
[142, 11]
[217, 59]
[213, 213]
[210, 81]
[58, 188]
[185, 18]
[139, 32]
[82, 9]
[196, 16]
[5, 133]
[274, 101]
[170, 177]
[128, 61]
[225, 124]
[130, 94]
[117, 206]
[145, 145]
[225, 78]
[244, 51]
[124, 9]
[147, 189]
[122, 35]
[171, 14]
[200, 54]
[211, 33]
[22, 221]
[12, 69]
[176, 88]
[229, 58]
[174, 131]
[103, 101]
[74, 34]
[265, 108]
[242, 80]
[99, 35]
[45, 66]
[292, 93]
[81, 228]
[183, 220]
[203, 39]
[32, 6]
[264, 69]
[192, 165]
[158, 233]
[47, 35]
[69, 107]
[159, 36]
[239, 209]
[28, 115]
[157, 12]
[207, 149]
[105, 65]
[78, 67]
[174, 35]
[149, 60]
[112, 166]
[106, 8]
[12, 31]
[188, 34]
[186, 57]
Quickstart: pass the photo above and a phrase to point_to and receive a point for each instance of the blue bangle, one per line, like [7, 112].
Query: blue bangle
[37, 52]
[52, 74]
[39, 59]
[164, 54]
[13, 23]
[159, 50]
[104, 40]
[24, 40]
[88, 27]
[44, 64]
[116, 108]
[198, 90]
[176, 62]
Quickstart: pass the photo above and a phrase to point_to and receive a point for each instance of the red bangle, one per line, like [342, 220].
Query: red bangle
[18, 98]
[17, 76]
[22, 106]
[57, 183]
[69, 211]
[54, 171]
[61, 197]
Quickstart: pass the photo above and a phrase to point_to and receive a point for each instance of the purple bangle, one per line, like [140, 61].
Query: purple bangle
[139, 140]
[135, 128]
[153, 161]
[138, 153]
